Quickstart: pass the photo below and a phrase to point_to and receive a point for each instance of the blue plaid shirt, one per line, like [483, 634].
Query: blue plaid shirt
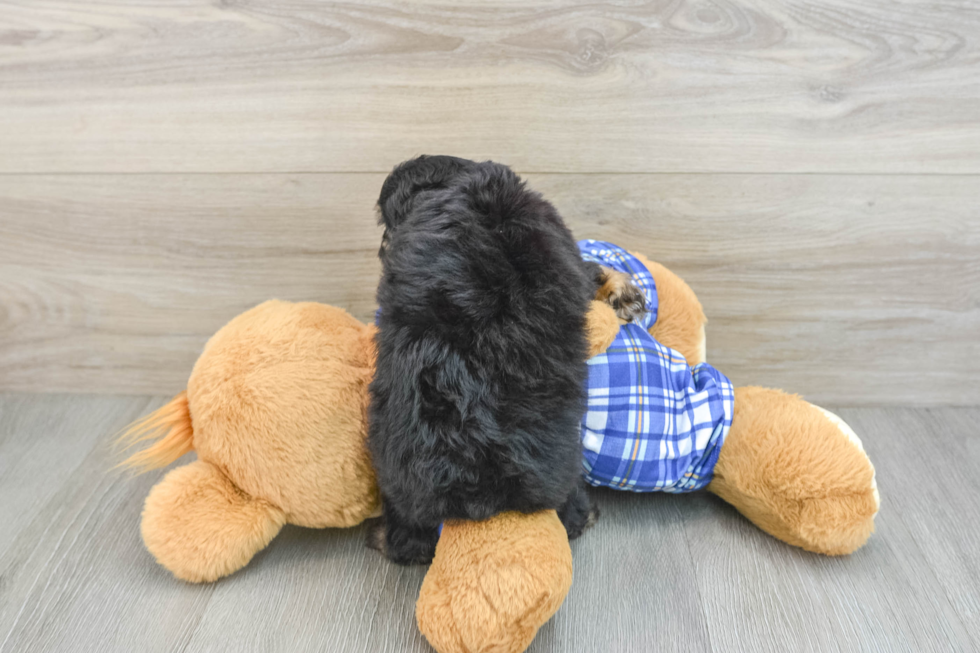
[653, 423]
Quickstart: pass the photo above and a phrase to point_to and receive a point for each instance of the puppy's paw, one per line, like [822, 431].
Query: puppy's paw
[401, 547]
[579, 514]
[593, 517]
[618, 290]
[590, 519]
[377, 537]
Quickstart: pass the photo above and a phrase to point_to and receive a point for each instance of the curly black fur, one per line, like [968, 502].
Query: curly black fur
[478, 395]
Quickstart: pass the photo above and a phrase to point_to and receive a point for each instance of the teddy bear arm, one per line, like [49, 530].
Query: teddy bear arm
[680, 318]
[797, 472]
[601, 327]
[200, 526]
[492, 584]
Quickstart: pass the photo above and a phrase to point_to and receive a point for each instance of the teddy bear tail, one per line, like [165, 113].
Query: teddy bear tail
[170, 427]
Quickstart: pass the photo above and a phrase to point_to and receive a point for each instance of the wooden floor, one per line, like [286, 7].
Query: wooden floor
[657, 573]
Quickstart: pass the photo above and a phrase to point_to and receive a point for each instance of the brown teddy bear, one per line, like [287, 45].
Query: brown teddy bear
[276, 407]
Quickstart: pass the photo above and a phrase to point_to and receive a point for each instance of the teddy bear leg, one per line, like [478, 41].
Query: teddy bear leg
[680, 318]
[200, 526]
[492, 584]
[797, 472]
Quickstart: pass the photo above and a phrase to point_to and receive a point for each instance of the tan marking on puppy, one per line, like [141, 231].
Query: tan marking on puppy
[625, 297]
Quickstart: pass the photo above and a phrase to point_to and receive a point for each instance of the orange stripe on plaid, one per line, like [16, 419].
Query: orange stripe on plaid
[634, 347]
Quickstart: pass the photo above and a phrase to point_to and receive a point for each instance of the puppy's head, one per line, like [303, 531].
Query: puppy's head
[468, 242]
[409, 182]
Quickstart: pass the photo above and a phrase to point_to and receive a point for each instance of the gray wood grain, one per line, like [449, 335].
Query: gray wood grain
[847, 289]
[106, 285]
[314, 590]
[76, 577]
[929, 464]
[621, 86]
[665, 573]
[761, 595]
[48, 438]
[634, 586]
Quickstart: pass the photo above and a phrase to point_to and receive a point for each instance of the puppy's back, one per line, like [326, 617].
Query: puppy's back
[481, 361]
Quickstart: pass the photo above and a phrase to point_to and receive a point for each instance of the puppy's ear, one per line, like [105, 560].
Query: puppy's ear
[408, 179]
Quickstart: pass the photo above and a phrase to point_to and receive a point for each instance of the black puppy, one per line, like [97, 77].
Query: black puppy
[479, 390]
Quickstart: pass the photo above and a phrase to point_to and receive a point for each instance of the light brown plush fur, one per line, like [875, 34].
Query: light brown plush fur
[795, 475]
[601, 326]
[279, 403]
[201, 527]
[276, 407]
[492, 584]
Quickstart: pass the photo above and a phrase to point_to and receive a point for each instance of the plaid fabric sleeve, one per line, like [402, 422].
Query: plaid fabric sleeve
[617, 258]
[653, 423]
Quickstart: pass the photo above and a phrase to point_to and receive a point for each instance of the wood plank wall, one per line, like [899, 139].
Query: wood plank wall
[812, 169]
